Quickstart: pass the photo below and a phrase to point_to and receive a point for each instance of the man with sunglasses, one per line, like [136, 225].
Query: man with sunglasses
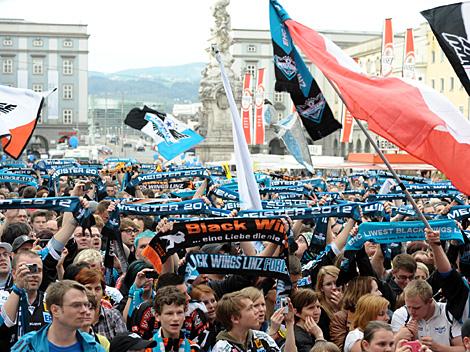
[68, 304]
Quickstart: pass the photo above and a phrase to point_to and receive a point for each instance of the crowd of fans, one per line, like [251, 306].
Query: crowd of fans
[54, 295]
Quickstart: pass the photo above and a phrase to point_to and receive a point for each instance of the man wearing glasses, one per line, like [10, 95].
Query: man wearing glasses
[68, 304]
[129, 230]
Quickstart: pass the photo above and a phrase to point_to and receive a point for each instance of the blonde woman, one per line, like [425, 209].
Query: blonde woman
[329, 296]
[369, 308]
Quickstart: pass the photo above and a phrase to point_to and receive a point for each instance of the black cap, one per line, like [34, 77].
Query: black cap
[21, 240]
[125, 341]
[466, 328]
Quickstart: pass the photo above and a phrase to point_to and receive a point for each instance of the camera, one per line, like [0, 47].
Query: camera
[33, 268]
[151, 274]
[285, 304]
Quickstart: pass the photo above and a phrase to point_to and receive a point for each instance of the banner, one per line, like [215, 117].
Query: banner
[390, 232]
[350, 210]
[449, 24]
[171, 136]
[387, 49]
[247, 107]
[18, 178]
[347, 130]
[292, 135]
[237, 265]
[259, 107]
[215, 230]
[293, 76]
[409, 61]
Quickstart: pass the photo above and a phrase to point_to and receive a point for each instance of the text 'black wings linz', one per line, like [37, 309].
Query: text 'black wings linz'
[293, 76]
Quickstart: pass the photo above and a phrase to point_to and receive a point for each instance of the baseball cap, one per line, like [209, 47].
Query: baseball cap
[125, 341]
[6, 246]
[21, 240]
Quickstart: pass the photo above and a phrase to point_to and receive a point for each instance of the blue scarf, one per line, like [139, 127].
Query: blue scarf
[350, 210]
[391, 232]
[159, 176]
[18, 178]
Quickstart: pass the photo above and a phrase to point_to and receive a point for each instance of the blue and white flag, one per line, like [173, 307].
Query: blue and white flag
[292, 134]
[171, 136]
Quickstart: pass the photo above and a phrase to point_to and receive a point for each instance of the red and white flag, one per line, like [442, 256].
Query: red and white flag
[259, 108]
[409, 61]
[19, 112]
[247, 107]
[409, 114]
[387, 49]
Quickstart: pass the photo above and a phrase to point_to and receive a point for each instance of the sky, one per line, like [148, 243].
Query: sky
[147, 33]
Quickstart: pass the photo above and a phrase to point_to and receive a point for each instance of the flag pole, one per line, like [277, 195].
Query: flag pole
[386, 162]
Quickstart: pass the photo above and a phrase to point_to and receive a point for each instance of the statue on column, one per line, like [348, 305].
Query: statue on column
[215, 121]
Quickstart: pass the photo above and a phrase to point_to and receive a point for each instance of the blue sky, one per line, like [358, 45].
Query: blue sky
[145, 33]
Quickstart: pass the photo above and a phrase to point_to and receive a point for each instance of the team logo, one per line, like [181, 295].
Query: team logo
[246, 99]
[287, 66]
[259, 96]
[165, 129]
[313, 108]
[173, 239]
[440, 329]
[461, 47]
[5, 108]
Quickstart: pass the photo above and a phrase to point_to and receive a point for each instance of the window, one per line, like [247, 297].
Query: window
[37, 88]
[461, 109]
[67, 92]
[38, 66]
[278, 97]
[280, 115]
[7, 65]
[7, 42]
[67, 116]
[451, 84]
[442, 56]
[433, 56]
[67, 67]
[433, 84]
[38, 42]
[442, 85]
[252, 48]
[68, 43]
[251, 69]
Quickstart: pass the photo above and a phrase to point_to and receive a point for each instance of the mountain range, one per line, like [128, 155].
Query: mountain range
[166, 85]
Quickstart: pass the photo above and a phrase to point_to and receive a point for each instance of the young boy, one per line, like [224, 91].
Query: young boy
[170, 306]
[236, 312]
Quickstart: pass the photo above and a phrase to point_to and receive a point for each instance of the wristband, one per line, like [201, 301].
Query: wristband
[17, 290]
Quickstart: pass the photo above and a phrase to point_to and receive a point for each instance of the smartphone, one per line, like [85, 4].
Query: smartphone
[33, 268]
[415, 345]
[151, 274]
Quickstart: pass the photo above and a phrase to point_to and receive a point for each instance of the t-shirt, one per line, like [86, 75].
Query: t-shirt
[76, 347]
[351, 339]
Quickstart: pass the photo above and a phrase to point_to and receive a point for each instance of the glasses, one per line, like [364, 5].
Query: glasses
[78, 305]
[130, 230]
[405, 277]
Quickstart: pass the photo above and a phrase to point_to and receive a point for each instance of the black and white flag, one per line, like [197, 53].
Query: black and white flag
[451, 26]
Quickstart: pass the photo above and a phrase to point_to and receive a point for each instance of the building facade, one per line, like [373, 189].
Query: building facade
[44, 56]
[252, 49]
